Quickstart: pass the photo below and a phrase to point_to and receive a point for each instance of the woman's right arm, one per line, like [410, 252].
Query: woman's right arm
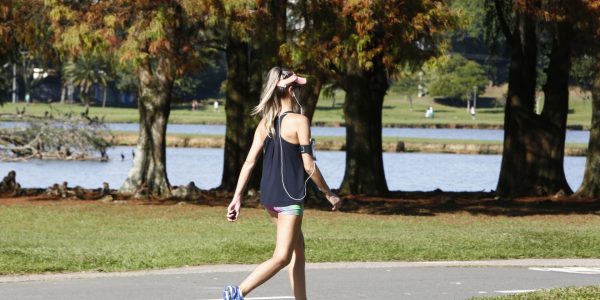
[318, 179]
[233, 211]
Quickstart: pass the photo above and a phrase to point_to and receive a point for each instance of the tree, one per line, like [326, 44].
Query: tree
[84, 73]
[359, 44]
[473, 41]
[160, 40]
[589, 30]
[534, 144]
[252, 35]
[301, 17]
[583, 71]
[125, 79]
[25, 37]
[5, 81]
[455, 77]
[5, 28]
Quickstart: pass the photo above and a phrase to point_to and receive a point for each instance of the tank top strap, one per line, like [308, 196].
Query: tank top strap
[279, 119]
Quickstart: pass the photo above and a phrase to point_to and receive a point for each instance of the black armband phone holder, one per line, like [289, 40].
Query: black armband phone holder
[309, 149]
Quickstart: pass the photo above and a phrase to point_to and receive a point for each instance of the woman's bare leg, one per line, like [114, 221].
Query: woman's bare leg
[296, 269]
[288, 228]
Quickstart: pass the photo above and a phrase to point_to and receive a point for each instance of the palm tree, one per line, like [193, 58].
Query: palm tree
[84, 73]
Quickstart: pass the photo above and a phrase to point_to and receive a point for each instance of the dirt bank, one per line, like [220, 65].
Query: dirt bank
[394, 203]
[186, 141]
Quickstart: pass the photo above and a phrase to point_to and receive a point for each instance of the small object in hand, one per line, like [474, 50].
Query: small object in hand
[232, 216]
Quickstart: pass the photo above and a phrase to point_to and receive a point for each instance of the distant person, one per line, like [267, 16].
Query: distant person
[473, 113]
[216, 105]
[287, 149]
[194, 105]
[429, 114]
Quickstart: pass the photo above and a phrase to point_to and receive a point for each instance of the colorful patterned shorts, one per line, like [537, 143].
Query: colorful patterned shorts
[292, 210]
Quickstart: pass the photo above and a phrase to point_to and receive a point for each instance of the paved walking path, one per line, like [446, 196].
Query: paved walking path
[388, 280]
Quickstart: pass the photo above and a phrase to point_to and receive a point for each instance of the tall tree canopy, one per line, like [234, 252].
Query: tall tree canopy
[360, 44]
[160, 40]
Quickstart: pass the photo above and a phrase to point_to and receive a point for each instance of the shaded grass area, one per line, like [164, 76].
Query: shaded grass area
[396, 111]
[568, 293]
[60, 236]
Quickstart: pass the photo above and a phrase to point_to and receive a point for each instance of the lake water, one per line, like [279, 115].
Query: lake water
[573, 136]
[404, 171]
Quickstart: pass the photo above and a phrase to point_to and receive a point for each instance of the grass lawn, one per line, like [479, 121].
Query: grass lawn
[396, 110]
[180, 115]
[77, 235]
[569, 293]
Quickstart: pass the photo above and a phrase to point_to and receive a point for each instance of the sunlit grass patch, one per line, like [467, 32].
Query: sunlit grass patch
[568, 293]
[75, 236]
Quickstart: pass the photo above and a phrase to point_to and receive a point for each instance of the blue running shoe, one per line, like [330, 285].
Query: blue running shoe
[232, 293]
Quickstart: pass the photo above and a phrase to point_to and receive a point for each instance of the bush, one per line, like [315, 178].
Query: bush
[455, 77]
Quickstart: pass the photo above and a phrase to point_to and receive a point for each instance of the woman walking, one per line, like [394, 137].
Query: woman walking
[283, 135]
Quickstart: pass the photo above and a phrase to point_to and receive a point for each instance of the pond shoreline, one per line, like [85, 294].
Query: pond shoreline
[392, 203]
[329, 144]
[426, 124]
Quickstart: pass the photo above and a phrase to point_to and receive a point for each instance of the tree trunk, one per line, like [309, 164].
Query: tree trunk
[518, 114]
[263, 55]
[532, 159]
[63, 94]
[313, 91]
[239, 132]
[70, 92]
[590, 187]
[550, 172]
[148, 176]
[104, 95]
[363, 105]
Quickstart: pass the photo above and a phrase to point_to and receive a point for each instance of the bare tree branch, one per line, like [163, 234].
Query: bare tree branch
[503, 24]
[56, 136]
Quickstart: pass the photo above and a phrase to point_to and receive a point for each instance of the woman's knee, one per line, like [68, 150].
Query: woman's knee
[282, 259]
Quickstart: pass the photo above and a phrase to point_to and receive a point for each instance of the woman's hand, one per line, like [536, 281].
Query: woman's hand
[233, 210]
[335, 201]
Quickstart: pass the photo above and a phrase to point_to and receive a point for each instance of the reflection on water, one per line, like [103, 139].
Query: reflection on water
[404, 171]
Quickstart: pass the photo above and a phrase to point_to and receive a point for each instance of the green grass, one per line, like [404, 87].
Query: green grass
[66, 236]
[396, 111]
[180, 115]
[568, 293]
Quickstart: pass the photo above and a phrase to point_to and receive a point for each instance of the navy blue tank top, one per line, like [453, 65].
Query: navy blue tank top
[272, 192]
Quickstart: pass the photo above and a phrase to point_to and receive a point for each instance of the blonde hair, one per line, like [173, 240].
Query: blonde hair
[270, 98]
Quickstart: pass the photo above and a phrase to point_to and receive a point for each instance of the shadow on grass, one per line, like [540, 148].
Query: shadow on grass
[476, 203]
[337, 107]
[393, 203]
[436, 202]
[491, 111]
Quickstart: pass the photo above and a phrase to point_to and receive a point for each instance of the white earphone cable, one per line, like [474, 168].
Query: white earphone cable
[281, 160]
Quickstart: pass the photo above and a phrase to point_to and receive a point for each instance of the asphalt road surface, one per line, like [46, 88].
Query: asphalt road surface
[433, 280]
